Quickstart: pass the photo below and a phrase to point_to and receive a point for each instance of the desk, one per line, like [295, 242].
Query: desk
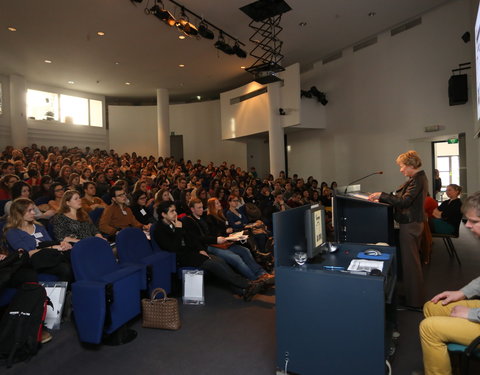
[330, 322]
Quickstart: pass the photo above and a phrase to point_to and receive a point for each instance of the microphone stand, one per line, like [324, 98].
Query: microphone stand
[360, 179]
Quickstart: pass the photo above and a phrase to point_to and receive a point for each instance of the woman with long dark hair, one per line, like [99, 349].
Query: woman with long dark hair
[72, 223]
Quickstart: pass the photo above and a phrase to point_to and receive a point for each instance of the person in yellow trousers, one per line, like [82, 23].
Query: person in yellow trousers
[452, 316]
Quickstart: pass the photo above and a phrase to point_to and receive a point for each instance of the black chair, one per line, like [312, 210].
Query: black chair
[465, 353]
[447, 240]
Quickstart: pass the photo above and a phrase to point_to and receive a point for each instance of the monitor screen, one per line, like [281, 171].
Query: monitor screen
[314, 230]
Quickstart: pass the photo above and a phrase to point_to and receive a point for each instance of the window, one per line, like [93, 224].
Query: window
[42, 105]
[68, 109]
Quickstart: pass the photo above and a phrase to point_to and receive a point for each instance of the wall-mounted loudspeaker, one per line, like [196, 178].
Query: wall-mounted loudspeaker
[457, 89]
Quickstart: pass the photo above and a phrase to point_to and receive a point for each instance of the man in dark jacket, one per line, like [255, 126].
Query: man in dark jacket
[171, 236]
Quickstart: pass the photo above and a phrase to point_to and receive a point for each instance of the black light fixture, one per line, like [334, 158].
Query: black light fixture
[238, 51]
[466, 37]
[204, 31]
[223, 46]
[162, 14]
[184, 25]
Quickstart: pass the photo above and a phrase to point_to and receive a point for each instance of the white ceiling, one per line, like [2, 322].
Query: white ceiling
[148, 52]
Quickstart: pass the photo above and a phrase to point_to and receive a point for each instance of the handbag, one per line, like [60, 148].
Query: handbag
[11, 264]
[160, 313]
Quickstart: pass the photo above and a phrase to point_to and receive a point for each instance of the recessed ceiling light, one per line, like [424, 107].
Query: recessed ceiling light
[117, 63]
[100, 33]
[71, 82]
[242, 67]
[47, 61]
[181, 65]
[372, 14]
[11, 28]
[302, 24]
[199, 97]
[128, 83]
[181, 37]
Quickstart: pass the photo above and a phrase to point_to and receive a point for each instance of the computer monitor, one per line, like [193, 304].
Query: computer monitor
[315, 232]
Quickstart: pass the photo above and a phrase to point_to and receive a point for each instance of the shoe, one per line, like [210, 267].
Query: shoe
[267, 278]
[253, 288]
[46, 337]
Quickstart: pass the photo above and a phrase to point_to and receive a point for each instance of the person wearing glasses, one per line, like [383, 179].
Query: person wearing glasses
[142, 212]
[56, 193]
[118, 215]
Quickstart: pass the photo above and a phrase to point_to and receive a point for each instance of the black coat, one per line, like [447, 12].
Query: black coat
[408, 200]
[175, 241]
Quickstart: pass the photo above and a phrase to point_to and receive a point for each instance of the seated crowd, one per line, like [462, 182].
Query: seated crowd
[53, 198]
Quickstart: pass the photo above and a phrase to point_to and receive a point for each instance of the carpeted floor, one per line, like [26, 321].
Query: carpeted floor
[228, 336]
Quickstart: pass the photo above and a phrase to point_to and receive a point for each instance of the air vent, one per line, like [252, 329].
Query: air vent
[250, 95]
[333, 57]
[366, 43]
[406, 26]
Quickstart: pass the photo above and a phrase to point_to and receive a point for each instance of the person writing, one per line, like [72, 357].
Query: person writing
[408, 202]
[452, 316]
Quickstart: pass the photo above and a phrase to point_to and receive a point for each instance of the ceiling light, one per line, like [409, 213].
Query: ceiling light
[163, 15]
[11, 28]
[184, 24]
[181, 37]
[223, 46]
[100, 33]
[128, 83]
[117, 63]
[199, 97]
[181, 65]
[242, 67]
[47, 61]
[71, 82]
[204, 31]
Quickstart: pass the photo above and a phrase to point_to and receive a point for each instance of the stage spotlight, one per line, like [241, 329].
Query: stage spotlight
[204, 31]
[223, 46]
[163, 15]
[184, 25]
[238, 51]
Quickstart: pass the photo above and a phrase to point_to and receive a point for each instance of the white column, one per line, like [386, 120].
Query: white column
[275, 131]
[163, 123]
[18, 109]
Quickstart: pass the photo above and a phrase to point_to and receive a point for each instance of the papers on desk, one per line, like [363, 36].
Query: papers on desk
[365, 265]
[237, 236]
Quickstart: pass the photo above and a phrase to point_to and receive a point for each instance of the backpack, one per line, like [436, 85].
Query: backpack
[22, 323]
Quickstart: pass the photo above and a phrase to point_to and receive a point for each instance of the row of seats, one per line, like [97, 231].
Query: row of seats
[106, 292]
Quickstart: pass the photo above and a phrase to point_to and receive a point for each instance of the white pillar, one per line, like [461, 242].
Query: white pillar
[18, 109]
[163, 123]
[275, 131]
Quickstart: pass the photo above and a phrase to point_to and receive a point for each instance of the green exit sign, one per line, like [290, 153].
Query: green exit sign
[452, 141]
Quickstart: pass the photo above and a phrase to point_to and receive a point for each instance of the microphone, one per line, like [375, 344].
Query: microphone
[360, 179]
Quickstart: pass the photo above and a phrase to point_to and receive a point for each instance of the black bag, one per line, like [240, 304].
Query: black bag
[21, 325]
[46, 258]
[11, 264]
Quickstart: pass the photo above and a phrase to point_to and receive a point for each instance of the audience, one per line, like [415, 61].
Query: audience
[446, 218]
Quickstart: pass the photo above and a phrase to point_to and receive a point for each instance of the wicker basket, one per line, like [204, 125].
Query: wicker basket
[160, 313]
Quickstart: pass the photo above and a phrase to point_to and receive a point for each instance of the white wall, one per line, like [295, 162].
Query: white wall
[199, 123]
[382, 97]
[133, 129]
[5, 130]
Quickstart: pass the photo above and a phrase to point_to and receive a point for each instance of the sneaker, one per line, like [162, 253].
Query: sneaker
[46, 337]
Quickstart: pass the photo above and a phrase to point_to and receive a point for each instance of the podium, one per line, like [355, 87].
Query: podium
[329, 322]
[361, 221]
